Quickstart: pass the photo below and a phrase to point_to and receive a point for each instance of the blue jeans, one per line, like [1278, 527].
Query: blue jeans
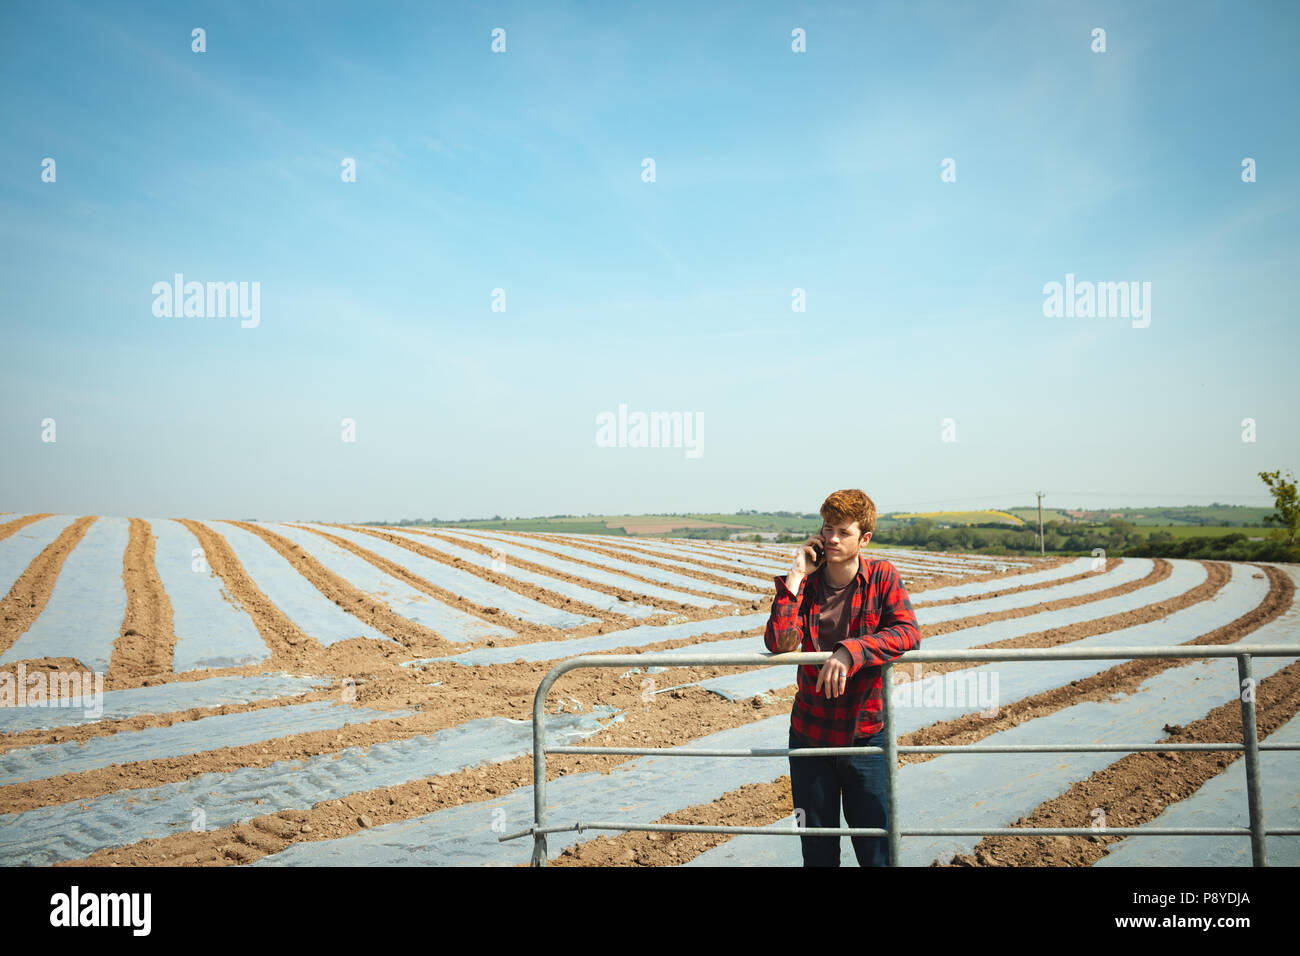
[817, 783]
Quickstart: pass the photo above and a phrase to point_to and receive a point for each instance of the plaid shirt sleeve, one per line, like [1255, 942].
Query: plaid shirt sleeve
[783, 631]
[898, 631]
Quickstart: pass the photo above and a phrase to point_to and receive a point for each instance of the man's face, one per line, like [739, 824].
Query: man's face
[844, 542]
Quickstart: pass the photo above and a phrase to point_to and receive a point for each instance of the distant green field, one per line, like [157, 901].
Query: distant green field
[1181, 532]
[1030, 515]
[1217, 515]
[765, 522]
[957, 518]
[1222, 515]
[1181, 522]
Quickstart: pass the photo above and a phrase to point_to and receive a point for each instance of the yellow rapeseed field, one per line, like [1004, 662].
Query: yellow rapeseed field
[971, 517]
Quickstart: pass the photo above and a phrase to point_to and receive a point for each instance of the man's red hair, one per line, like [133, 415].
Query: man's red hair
[850, 505]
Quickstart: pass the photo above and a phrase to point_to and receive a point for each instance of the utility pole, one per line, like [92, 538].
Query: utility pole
[1042, 551]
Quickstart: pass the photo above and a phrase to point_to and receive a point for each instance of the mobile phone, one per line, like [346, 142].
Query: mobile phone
[819, 551]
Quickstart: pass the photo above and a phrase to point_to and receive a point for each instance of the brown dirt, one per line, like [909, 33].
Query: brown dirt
[31, 592]
[147, 641]
[673, 611]
[1138, 787]
[502, 690]
[726, 550]
[281, 635]
[694, 713]
[45, 666]
[630, 552]
[484, 546]
[505, 689]
[460, 697]
[917, 586]
[750, 805]
[1035, 563]
[535, 632]
[346, 595]
[1216, 577]
[1123, 678]
[674, 717]
[107, 728]
[12, 527]
[525, 632]
[1110, 565]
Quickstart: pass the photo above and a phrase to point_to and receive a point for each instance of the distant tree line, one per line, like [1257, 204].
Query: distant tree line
[1118, 537]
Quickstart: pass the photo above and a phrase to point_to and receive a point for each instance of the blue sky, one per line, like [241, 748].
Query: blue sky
[521, 170]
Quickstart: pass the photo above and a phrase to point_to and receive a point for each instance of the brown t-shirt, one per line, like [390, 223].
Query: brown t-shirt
[833, 619]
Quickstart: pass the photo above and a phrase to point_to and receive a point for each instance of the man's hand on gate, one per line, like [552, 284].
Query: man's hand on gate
[834, 674]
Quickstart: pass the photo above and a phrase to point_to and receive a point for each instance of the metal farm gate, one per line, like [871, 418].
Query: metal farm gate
[1250, 744]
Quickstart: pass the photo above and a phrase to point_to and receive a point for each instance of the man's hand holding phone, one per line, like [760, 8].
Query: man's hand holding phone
[806, 560]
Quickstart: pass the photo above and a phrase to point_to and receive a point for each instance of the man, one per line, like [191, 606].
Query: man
[857, 608]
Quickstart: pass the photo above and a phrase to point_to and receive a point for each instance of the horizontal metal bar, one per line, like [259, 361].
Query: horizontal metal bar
[927, 749]
[677, 659]
[905, 831]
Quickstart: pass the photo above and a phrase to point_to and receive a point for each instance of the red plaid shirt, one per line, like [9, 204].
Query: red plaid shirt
[884, 625]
